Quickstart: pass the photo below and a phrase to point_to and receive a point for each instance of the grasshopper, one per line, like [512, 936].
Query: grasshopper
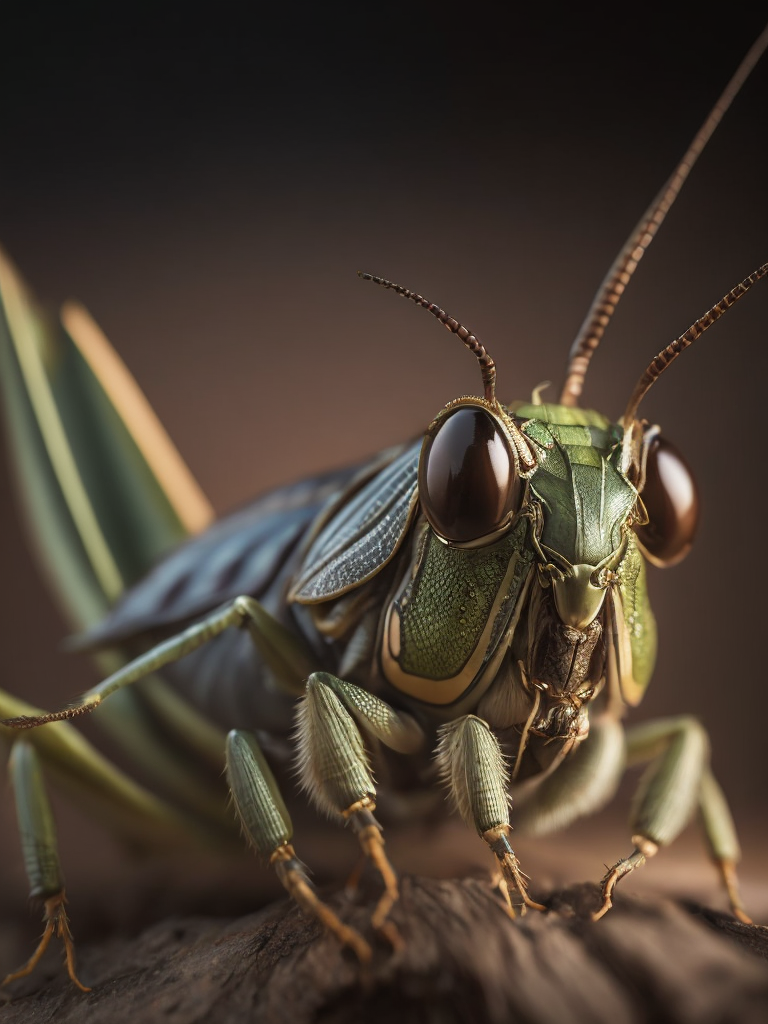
[468, 609]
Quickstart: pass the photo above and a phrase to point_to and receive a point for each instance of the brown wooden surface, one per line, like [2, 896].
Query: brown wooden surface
[650, 959]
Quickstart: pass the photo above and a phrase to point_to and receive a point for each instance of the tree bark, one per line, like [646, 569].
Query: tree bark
[462, 959]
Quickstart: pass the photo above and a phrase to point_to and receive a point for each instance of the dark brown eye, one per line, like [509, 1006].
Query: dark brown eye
[671, 499]
[467, 480]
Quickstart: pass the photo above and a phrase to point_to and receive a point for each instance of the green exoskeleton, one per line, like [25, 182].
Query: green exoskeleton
[469, 609]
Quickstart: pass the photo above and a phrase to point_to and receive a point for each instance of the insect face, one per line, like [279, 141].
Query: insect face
[583, 503]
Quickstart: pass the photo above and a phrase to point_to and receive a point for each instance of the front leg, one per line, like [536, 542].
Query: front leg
[334, 765]
[472, 765]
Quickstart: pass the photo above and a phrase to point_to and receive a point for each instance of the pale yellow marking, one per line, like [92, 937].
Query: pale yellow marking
[179, 486]
[631, 690]
[26, 342]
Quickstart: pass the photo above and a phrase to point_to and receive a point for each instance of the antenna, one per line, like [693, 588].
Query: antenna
[487, 365]
[625, 264]
[659, 363]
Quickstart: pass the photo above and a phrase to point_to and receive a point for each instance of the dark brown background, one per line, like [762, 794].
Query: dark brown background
[209, 190]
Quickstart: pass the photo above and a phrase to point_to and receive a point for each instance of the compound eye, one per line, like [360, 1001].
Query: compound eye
[671, 499]
[467, 481]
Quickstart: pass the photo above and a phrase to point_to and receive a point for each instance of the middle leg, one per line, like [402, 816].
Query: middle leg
[668, 794]
[472, 765]
[267, 826]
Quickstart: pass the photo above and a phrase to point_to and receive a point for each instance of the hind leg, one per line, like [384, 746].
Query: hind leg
[41, 857]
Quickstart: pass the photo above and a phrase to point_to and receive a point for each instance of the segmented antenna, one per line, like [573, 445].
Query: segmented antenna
[487, 365]
[625, 264]
[660, 362]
